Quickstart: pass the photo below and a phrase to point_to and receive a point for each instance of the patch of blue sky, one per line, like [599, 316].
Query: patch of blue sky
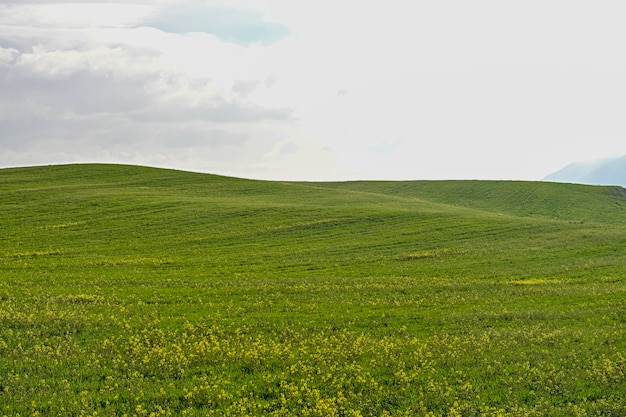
[229, 24]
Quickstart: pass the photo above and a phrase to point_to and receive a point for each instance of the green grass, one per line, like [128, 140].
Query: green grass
[142, 291]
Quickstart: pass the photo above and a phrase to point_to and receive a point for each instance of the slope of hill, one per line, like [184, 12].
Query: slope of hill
[519, 198]
[137, 290]
[599, 172]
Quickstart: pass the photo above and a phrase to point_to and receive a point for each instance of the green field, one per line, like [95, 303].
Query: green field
[137, 291]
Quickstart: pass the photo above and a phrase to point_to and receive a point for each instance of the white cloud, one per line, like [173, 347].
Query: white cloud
[8, 56]
[74, 14]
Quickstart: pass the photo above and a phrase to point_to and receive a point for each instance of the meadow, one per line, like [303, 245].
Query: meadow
[137, 291]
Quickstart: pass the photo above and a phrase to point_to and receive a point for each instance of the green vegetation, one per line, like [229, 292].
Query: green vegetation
[138, 291]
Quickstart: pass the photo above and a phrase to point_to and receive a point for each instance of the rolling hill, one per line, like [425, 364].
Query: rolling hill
[138, 290]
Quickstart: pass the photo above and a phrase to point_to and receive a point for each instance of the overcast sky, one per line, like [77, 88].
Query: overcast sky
[315, 90]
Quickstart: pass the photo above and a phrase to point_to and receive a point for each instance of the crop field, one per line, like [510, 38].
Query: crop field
[137, 291]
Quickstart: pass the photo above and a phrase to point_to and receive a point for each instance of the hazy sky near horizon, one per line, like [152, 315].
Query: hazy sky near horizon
[323, 90]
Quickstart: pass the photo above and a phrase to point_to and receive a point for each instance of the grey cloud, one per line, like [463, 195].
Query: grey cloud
[270, 80]
[289, 149]
[193, 137]
[113, 135]
[232, 112]
[121, 79]
[111, 138]
[213, 109]
[244, 88]
[80, 94]
[80, 134]
[72, 82]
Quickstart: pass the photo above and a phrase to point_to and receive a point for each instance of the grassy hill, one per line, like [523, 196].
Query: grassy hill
[145, 291]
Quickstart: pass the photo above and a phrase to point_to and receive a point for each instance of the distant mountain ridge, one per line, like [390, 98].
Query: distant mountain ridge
[598, 172]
